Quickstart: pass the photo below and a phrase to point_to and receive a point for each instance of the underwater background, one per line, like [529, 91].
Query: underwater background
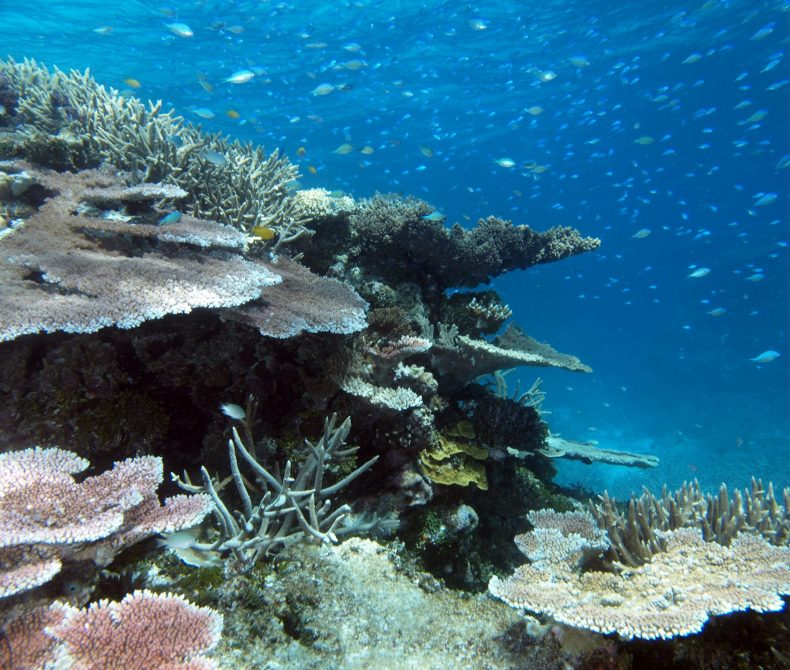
[661, 128]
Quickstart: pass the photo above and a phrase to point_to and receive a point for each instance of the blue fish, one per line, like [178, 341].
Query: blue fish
[433, 216]
[173, 217]
[765, 199]
[766, 357]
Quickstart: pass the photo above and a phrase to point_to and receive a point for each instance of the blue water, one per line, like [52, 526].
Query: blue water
[668, 117]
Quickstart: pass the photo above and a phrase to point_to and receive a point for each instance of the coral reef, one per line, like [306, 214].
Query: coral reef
[66, 270]
[155, 276]
[69, 121]
[51, 525]
[672, 595]
[145, 631]
[291, 508]
[635, 536]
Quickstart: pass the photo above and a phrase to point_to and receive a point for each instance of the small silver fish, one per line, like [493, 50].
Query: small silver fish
[180, 29]
[699, 272]
[323, 89]
[233, 410]
[764, 199]
[505, 162]
[240, 77]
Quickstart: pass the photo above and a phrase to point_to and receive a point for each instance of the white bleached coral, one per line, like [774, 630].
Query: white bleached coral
[318, 203]
[397, 399]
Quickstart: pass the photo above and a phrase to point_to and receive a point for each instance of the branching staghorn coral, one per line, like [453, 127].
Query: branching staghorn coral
[533, 397]
[291, 508]
[672, 595]
[236, 184]
[635, 534]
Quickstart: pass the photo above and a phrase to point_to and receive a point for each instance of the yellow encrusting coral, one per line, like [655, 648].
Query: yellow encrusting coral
[456, 460]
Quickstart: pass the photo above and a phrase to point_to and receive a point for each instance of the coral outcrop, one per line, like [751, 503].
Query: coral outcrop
[144, 631]
[72, 267]
[67, 120]
[50, 523]
[400, 243]
[673, 594]
[154, 276]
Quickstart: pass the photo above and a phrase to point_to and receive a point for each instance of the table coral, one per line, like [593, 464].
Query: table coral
[671, 595]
